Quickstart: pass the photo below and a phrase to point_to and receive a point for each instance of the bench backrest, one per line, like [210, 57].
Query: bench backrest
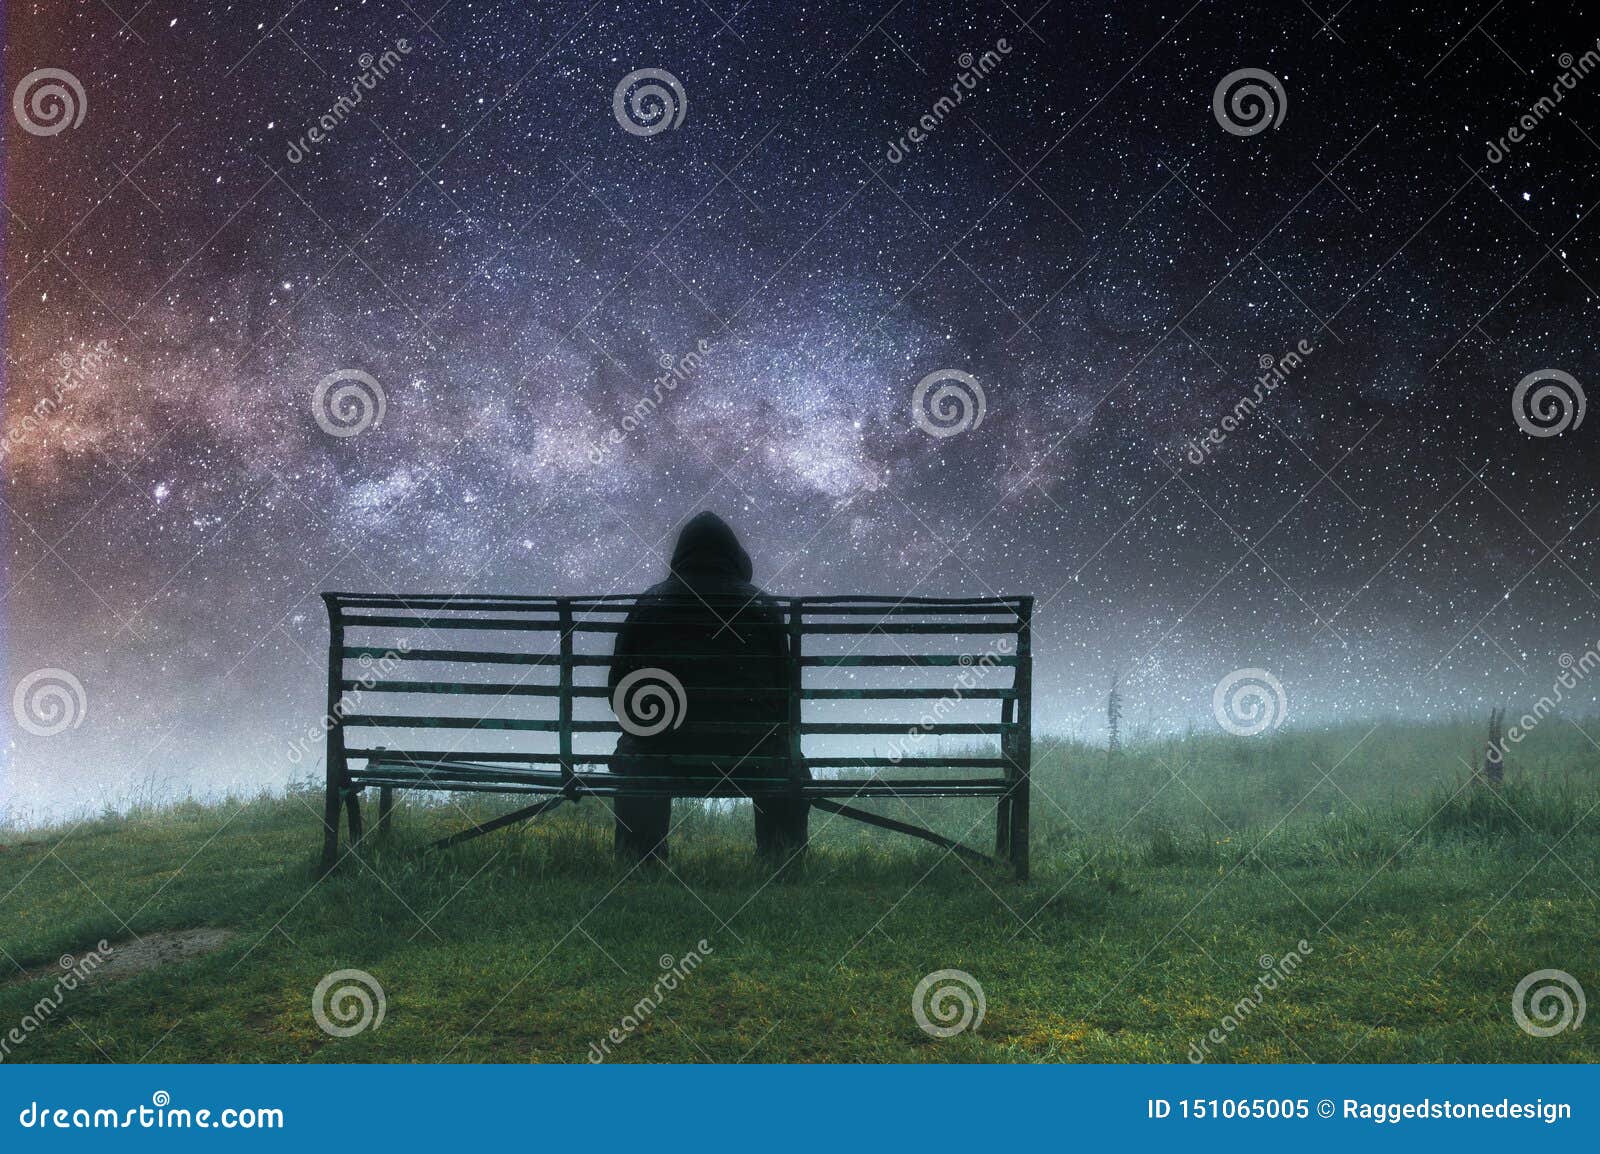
[472, 686]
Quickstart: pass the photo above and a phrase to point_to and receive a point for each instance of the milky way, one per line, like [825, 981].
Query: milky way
[515, 271]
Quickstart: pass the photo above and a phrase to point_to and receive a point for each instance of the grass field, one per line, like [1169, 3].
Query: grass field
[1162, 882]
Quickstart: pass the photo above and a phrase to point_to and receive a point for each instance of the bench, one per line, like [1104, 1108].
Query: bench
[526, 654]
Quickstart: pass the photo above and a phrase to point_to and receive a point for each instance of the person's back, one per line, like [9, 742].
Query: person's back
[722, 640]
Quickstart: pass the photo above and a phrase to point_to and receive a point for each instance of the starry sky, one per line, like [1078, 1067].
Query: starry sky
[510, 266]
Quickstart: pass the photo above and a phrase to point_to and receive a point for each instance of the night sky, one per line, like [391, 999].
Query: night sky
[510, 267]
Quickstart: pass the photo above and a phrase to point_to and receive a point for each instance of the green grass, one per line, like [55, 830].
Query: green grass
[1159, 881]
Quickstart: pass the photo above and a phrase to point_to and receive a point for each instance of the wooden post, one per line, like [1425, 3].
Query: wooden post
[1023, 742]
[334, 750]
[1002, 810]
[352, 813]
[565, 707]
[796, 756]
[385, 807]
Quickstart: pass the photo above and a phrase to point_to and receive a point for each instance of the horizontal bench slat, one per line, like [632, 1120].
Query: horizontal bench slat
[919, 627]
[946, 728]
[519, 689]
[520, 599]
[502, 657]
[539, 725]
[536, 725]
[726, 791]
[922, 660]
[928, 693]
[481, 757]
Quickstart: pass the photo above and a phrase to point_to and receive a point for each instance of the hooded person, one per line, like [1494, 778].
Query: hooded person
[701, 668]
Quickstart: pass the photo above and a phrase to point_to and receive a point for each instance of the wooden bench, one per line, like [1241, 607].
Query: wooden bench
[375, 641]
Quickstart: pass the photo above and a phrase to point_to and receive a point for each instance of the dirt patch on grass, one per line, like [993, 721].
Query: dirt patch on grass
[135, 956]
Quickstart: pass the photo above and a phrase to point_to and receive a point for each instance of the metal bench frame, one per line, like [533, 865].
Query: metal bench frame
[560, 775]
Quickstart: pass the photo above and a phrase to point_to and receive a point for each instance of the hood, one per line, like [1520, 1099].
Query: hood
[708, 546]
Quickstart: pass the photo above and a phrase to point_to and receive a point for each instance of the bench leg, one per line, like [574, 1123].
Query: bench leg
[1002, 829]
[385, 806]
[1019, 830]
[330, 826]
[352, 801]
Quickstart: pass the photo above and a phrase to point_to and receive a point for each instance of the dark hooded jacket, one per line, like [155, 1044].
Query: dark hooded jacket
[709, 609]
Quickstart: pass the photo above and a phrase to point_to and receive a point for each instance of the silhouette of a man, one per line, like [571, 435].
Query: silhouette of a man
[724, 641]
